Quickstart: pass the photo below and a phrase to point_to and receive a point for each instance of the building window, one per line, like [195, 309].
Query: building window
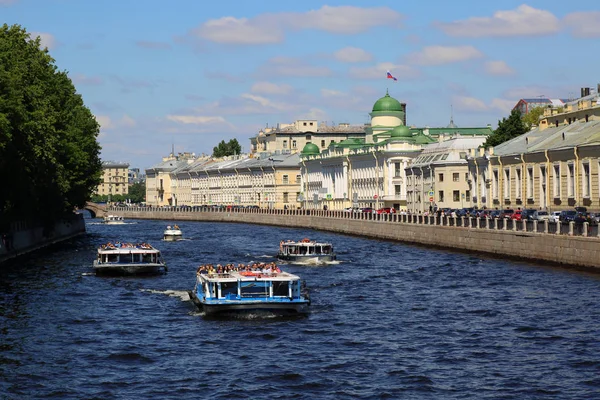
[455, 177]
[441, 178]
[456, 195]
[304, 124]
[322, 143]
[468, 194]
[308, 137]
[506, 187]
[495, 184]
[298, 178]
[397, 170]
[466, 177]
[518, 183]
[586, 184]
[285, 144]
[529, 183]
[556, 181]
[441, 196]
[571, 181]
[398, 190]
[286, 179]
[285, 197]
[293, 144]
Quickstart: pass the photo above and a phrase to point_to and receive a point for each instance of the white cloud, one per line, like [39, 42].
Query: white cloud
[127, 121]
[231, 30]
[315, 113]
[527, 92]
[331, 93]
[105, 122]
[523, 21]
[291, 66]
[270, 28]
[437, 55]
[498, 68]
[402, 72]
[271, 88]
[47, 39]
[352, 55]
[584, 24]
[81, 79]
[473, 104]
[196, 119]
[346, 19]
[467, 103]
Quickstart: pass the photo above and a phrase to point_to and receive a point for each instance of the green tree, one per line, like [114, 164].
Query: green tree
[508, 129]
[533, 116]
[227, 149]
[49, 155]
[137, 192]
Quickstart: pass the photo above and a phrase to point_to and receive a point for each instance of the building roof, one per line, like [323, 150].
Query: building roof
[555, 137]
[451, 151]
[387, 104]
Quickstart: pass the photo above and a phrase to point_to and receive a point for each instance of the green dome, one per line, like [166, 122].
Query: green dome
[310, 149]
[401, 131]
[387, 104]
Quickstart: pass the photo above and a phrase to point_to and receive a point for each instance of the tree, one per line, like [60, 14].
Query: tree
[49, 155]
[137, 192]
[533, 116]
[508, 129]
[227, 149]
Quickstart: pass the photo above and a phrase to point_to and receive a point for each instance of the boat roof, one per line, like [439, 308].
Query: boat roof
[126, 248]
[304, 243]
[234, 276]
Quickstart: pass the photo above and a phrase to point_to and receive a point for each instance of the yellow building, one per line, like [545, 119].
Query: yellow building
[291, 138]
[114, 179]
[554, 166]
[159, 188]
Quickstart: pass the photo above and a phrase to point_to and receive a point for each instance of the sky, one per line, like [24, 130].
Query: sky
[188, 73]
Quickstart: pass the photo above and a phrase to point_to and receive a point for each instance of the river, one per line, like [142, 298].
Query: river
[388, 321]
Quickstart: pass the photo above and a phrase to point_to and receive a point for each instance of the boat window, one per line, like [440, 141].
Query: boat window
[146, 257]
[255, 289]
[113, 258]
[280, 289]
[228, 288]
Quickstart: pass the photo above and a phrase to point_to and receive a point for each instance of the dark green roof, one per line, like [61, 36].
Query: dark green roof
[310, 149]
[387, 104]
[400, 131]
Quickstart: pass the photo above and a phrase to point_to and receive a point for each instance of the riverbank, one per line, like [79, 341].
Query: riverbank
[21, 240]
[560, 244]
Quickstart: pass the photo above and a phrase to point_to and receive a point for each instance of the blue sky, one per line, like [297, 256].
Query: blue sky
[194, 73]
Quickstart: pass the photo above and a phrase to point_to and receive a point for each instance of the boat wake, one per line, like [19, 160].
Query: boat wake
[182, 295]
[315, 262]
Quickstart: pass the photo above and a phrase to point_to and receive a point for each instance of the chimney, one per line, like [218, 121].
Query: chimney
[598, 89]
[587, 91]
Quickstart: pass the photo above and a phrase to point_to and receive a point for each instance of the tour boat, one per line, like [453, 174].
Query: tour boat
[172, 234]
[113, 220]
[245, 291]
[129, 259]
[305, 250]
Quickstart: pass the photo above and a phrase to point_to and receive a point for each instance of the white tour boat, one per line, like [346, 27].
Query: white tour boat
[305, 250]
[113, 220]
[129, 259]
[172, 234]
[248, 291]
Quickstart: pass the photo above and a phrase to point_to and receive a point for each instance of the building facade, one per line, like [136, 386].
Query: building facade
[114, 179]
[554, 166]
[159, 190]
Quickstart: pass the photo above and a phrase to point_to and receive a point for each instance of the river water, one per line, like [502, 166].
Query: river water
[389, 321]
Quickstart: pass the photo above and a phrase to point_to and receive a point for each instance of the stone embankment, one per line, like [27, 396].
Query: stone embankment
[574, 245]
[22, 239]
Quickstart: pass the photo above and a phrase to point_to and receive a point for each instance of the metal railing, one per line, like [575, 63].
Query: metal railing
[571, 228]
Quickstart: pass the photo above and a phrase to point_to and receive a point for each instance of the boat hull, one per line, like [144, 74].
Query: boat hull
[294, 258]
[129, 269]
[172, 238]
[211, 307]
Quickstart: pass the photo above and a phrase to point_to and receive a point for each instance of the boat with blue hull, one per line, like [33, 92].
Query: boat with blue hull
[248, 291]
[128, 259]
[306, 250]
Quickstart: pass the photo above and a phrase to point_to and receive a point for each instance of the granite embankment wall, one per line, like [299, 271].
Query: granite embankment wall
[21, 239]
[540, 247]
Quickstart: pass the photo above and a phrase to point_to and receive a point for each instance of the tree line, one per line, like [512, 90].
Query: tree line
[49, 153]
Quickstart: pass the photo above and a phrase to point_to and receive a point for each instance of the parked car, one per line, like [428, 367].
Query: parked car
[386, 210]
[495, 214]
[517, 215]
[368, 210]
[540, 215]
[527, 214]
[567, 216]
[554, 216]
[506, 213]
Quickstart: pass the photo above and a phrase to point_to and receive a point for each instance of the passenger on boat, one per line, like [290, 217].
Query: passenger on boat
[176, 227]
[169, 227]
